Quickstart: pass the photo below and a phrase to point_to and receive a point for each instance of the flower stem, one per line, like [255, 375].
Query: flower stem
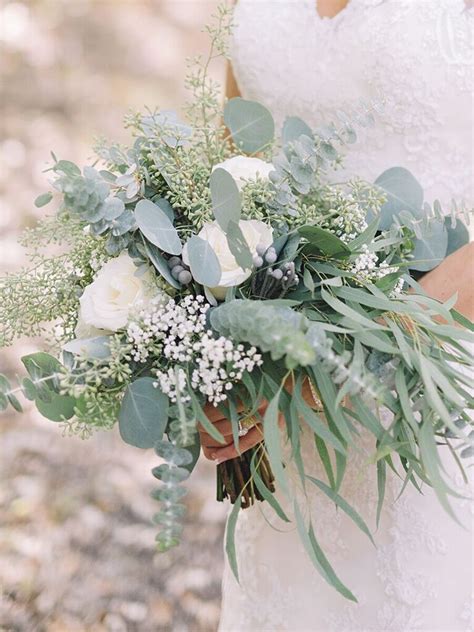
[234, 477]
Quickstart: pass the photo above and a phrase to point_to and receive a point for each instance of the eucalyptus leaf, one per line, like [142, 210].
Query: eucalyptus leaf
[160, 263]
[43, 199]
[144, 413]
[344, 506]
[324, 240]
[165, 206]
[225, 196]
[58, 408]
[97, 347]
[458, 235]
[404, 193]
[203, 262]
[293, 128]
[272, 437]
[250, 124]
[230, 537]
[238, 246]
[157, 228]
[431, 249]
[317, 556]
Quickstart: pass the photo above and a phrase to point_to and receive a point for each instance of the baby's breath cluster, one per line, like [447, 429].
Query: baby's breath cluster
[184, 351]
[367, 268]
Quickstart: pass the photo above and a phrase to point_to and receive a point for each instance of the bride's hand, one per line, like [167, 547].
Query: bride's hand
[219, 452]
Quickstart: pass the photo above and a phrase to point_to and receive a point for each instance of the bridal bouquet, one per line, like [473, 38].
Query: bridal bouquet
[220, 262]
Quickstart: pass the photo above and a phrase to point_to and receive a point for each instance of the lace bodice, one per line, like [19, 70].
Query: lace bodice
[417, 55]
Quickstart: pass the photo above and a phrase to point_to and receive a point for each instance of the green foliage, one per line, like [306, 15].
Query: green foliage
[250, 124]
[144, 413]
[225, 196]
[275, 329]
[324, 240]
[203, 262]
[87, 196]
[49, 290]
[157, 227]
[404, 193]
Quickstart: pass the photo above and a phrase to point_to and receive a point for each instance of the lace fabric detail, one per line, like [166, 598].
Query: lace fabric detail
[418, 54]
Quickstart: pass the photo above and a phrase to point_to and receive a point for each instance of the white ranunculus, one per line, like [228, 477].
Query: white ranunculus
[243, 168]
[254, 232]
[108, 301]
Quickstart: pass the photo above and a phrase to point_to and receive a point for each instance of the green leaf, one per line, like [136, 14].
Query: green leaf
[324, 240]
[4, 384]
[404, 398]
[225, 196]
[308, 281]
[238, 246]
[318, 426]
[144, 413]
[160, 264]
[97, 348]
[204, 421]
[457, 236]
[404, 193]
[157, 228]
[29, 389]
[271, 433]
[366, 237]
[293, 128]
[317, 556]
[166, 207]
[3, 402]
[57, 408]
[41, 364]
[430, 458]
[344, 505]
[250, 124]
[325, 460]
[203, 262]
[14, 402]
[381, 480]
[266, 493]
[431, 249]
[43, 199]
[328, 394]
[350, 313]
[67, 167]
[230, 537]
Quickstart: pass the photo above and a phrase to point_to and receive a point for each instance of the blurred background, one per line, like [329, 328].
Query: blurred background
[76, 541]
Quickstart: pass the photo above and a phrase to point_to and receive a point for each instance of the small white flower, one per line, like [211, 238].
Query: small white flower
[255, 232]
[108, 301]
[244, 168]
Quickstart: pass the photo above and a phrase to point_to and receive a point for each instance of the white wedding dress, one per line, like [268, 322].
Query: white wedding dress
[417, 54]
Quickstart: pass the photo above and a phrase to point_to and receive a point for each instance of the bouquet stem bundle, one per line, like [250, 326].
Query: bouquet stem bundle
[235, 477]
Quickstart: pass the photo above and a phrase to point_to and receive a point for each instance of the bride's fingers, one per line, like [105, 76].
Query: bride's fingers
[214, 414]
[223, 426]
[252, 438]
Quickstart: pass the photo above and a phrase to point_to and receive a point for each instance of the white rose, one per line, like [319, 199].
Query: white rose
[107, 302]
[254, 232]
[243, 168]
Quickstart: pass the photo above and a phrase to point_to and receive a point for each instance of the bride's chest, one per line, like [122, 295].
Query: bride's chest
[404, 50]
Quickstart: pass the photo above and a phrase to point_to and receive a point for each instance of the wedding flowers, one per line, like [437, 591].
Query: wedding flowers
[243, 168]
[117, 289]
[256, 234]
[180, 334]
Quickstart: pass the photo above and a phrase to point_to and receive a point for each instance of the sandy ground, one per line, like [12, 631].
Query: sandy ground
[76, 539]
